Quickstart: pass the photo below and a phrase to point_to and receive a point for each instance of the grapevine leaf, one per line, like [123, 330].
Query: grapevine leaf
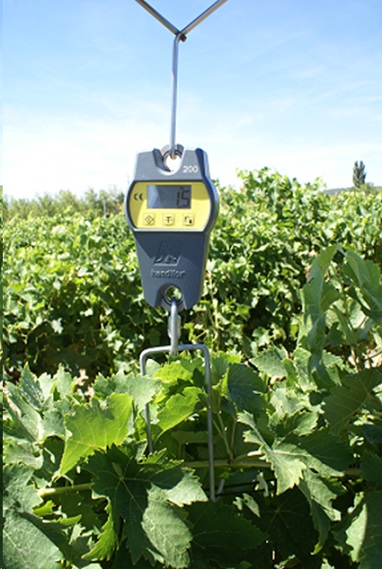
[372, 468]
[287, 520]
[221, 535]
[107, 540]
[243, 386]
[142, 389]
[293, 413]
[178, 408]
[24, 539]
[367, 275]
[27, 421]
[346, 400]
[172, 373]
[285, 458]
[152, 484]
[30, 389]
[373, 437]
[271, 361]
[363, 532]
[167, 532]
[18, 492]
[186, 491]
[220, 364]
[22, 451]
[326, 452]
[320, 497]
[317, 294]
[94, 426]
[63, 382]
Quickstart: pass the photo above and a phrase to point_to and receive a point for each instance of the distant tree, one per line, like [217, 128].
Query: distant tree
[103, 203]
[359, 174]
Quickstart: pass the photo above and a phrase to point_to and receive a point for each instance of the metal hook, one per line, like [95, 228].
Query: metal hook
[174, 327]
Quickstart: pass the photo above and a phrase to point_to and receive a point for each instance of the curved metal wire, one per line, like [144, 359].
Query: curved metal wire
[207, 371]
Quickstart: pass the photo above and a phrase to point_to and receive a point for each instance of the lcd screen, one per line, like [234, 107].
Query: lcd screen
[168, 197]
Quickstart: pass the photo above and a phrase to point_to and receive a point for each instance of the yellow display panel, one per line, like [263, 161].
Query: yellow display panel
[169, 206]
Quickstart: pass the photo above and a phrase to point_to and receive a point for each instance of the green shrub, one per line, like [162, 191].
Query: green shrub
[73, 288]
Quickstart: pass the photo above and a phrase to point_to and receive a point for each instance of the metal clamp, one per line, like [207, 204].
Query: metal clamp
[180, 35]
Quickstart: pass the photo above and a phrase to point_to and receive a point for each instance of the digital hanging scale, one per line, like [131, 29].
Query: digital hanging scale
[171, 214]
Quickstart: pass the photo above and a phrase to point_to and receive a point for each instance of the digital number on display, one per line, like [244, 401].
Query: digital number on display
[168, 196]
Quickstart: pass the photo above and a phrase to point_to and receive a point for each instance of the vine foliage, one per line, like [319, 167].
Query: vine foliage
[297, 439]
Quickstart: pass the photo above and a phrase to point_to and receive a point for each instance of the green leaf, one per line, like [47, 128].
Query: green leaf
[30, 389]
[287, 519]
[26, 419]
[363, 532]
[372, 468]
[107, 541]
[178, 408]
[24, 539]
[23, 542]
[141, 493]
[317, 294]
[221, 363]
[271, 361]
[285, 458]
[373, 437]
[167, 532]
[173, 372]
[142, 389]
[222, 536]
[95, 426]
[326, 453]
[22, 451]
[63, 382]
[18, 493]
[367, 276]
[243, 386]
[320, 496]
[293, 412]
[346, 400]
[187, 490]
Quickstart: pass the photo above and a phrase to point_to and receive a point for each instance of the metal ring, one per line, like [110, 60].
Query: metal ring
[168, 298]
[171, 152]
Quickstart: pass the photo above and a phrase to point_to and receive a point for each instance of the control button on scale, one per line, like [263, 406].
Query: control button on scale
[168, 219]
[149, 219]
[189, 219]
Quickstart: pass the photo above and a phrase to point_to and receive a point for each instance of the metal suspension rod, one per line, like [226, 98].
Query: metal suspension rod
[202, 16]
[158, 16]
[174, 99]
[180, 35]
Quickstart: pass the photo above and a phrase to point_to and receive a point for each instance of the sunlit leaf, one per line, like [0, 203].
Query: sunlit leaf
[341, 406]
[95, 426]
[363, 532]
[178, 408]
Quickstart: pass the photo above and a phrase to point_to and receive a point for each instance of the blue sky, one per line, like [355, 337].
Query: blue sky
[295, 85]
